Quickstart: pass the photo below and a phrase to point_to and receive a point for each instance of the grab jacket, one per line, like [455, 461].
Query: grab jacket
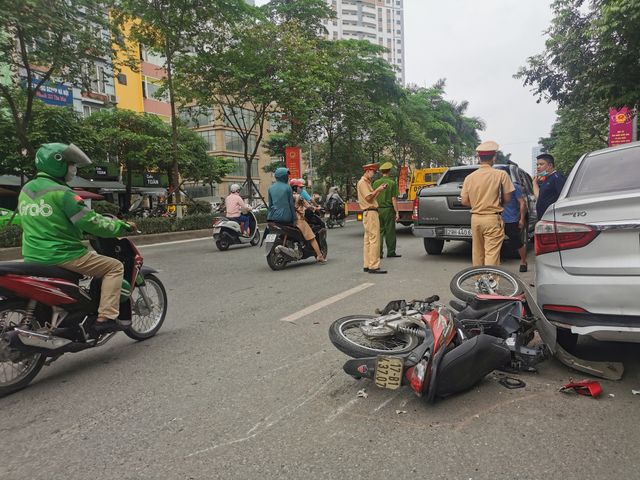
[53, 218]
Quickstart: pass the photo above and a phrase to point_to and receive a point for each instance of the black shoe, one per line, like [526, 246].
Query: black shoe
[523, 268]
[112, 326]
[365, 269]
[395, 255]
[377, 270]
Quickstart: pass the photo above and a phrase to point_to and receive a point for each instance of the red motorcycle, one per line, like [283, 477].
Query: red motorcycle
[46, 311]
[439, 352]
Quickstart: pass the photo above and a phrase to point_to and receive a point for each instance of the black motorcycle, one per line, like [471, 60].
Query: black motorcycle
[284, 243]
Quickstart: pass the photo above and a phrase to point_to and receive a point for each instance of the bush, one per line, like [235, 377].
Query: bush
[10, 236]
[172, 224]
[104, 207]
[198, 207]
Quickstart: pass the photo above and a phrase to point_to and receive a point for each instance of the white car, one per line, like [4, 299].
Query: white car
[588, 249]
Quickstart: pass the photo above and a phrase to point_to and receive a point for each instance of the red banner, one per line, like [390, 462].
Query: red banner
[403, 180]
[292, 160]
[620, 126]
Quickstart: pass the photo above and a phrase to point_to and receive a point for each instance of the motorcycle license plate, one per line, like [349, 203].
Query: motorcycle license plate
[270, 238]
[389, 372]
[216, 230]
[457, 232]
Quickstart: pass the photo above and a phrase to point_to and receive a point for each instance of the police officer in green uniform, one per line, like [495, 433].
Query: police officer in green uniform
[388, 210]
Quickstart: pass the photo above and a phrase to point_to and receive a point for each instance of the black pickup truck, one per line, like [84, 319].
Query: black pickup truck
[439, 215]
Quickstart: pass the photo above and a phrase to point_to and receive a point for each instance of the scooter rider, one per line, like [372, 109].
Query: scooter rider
[300, 205]
[280, 198]
[53, 220]
[235, 205]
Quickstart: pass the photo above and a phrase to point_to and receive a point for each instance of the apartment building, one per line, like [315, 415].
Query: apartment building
[378, 21]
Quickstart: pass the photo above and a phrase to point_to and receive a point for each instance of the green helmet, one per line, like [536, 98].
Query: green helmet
[54, 158]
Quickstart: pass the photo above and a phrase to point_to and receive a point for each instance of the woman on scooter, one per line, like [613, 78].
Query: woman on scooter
[300, 204]
[234, 205]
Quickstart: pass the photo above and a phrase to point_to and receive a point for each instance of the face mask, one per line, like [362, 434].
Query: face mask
[72, 170]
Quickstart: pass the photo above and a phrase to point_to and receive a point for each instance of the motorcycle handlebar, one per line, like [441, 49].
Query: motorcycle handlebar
[431, 299]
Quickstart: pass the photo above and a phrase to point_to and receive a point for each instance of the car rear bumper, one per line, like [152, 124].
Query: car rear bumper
[612, 310]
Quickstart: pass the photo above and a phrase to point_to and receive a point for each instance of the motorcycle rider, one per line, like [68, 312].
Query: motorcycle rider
[234, 205]
[53, 220]
[334, 203]
[280, 198]
[300, 205]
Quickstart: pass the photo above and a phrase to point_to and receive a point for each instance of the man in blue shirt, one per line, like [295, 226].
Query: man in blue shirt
[547, 184]
[513, 217]
[281, 209]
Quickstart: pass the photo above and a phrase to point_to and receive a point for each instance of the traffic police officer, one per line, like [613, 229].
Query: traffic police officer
[388, 210]
[485, 191]
[367, 196]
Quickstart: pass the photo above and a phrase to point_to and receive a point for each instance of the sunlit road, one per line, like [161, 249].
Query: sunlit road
[229, 390]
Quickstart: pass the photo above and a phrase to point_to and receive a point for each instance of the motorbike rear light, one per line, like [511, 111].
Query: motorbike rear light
[216, 221]
[558, 236]
[414, 214]
[416, 377]
[564, 308]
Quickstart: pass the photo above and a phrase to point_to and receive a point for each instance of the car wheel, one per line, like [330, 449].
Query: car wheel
[433, 246]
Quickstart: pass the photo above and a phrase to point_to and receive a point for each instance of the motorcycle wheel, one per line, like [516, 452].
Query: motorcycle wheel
[346, 336]
[473, 281]
[256, 239]
[222, 244]
[276, 261]
[16, 369]
[146, 322]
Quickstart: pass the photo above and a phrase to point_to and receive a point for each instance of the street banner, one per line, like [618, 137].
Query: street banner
[293, 156]
[403, 180]
[621, 126]
[56, 94]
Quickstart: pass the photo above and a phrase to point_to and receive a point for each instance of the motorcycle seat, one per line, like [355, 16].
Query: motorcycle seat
[37, 270]
[474, 311]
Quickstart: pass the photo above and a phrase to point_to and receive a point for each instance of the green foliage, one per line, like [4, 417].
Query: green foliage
[46, 40]
[199, 207]
[171, 224]
[103, 207]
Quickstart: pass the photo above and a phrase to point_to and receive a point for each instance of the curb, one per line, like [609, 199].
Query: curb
[15, 253]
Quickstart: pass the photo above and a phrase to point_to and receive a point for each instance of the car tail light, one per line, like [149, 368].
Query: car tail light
[557, 236]
[414, 214]
[564, 308]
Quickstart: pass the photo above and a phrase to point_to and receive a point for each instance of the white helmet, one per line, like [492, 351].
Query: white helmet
[234, 188]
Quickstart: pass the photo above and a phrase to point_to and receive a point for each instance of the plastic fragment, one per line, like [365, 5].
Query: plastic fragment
[362, 393]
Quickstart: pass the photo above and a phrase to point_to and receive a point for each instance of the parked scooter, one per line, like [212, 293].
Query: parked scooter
[227, 232]
[285, 244]
[45, 311]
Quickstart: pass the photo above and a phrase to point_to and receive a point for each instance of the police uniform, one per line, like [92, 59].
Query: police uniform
[370, 221]
[483, 189]
[387, 212]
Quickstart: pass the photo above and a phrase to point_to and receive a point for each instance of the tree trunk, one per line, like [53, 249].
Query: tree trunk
[127, 195]
[175, 177]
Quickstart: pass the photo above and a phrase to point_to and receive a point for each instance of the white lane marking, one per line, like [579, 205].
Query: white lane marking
[317, 306]
[173, 243]
[385, 403]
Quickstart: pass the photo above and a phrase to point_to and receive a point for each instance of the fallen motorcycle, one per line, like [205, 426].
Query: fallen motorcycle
[46, 311]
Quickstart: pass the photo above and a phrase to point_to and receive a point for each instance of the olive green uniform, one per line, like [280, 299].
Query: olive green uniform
[387, 214]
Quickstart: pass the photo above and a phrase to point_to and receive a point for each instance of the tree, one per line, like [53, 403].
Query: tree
[47, 40]
[171, 28]
[48, 124]
[591, 55]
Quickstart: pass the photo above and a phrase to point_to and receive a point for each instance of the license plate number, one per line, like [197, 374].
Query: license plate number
[270, 238]
[458, 232]
[216, 230]
[388, 372]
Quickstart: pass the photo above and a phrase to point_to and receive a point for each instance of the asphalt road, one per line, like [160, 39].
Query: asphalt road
[229, 390]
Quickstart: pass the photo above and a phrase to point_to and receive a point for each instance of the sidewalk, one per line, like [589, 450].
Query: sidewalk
[15, 252]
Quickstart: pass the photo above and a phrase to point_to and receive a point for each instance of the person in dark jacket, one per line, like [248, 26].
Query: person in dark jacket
[547, 184]
[281, 208]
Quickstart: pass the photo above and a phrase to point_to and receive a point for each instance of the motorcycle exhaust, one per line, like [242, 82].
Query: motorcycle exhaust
[289, 252]
[38, 340]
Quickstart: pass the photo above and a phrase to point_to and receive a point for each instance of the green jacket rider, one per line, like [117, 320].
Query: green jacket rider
[53, 219]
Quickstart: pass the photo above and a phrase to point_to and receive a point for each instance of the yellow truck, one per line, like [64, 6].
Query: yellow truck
[420, 178]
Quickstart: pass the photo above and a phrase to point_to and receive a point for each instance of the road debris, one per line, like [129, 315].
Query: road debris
[635, 392]
[401, 412]
[362, 393]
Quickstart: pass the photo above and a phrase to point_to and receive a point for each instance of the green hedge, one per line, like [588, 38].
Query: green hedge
[11, 236]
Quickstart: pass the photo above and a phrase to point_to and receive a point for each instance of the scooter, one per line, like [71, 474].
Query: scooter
[285, 244]
[227, 232]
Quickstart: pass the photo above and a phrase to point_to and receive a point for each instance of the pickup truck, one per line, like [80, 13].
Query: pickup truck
[439, 216]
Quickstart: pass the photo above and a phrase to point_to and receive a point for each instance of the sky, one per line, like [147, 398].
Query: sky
[477, 46]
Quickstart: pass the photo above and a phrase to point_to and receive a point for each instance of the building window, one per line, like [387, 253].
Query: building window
[239, 117]
[88, 110]
[210, 137]
[151, 57]
[149, 89]
[233, 142]
[240, 167]
[197, 118]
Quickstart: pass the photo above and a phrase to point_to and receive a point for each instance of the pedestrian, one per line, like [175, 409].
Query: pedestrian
[367, 196]
[388, 210]
[281, 208]
[547, 184]
[513, 217]
[485, 191]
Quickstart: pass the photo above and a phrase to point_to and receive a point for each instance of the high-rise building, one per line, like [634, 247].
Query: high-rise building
[535, 151]
[379, 21]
